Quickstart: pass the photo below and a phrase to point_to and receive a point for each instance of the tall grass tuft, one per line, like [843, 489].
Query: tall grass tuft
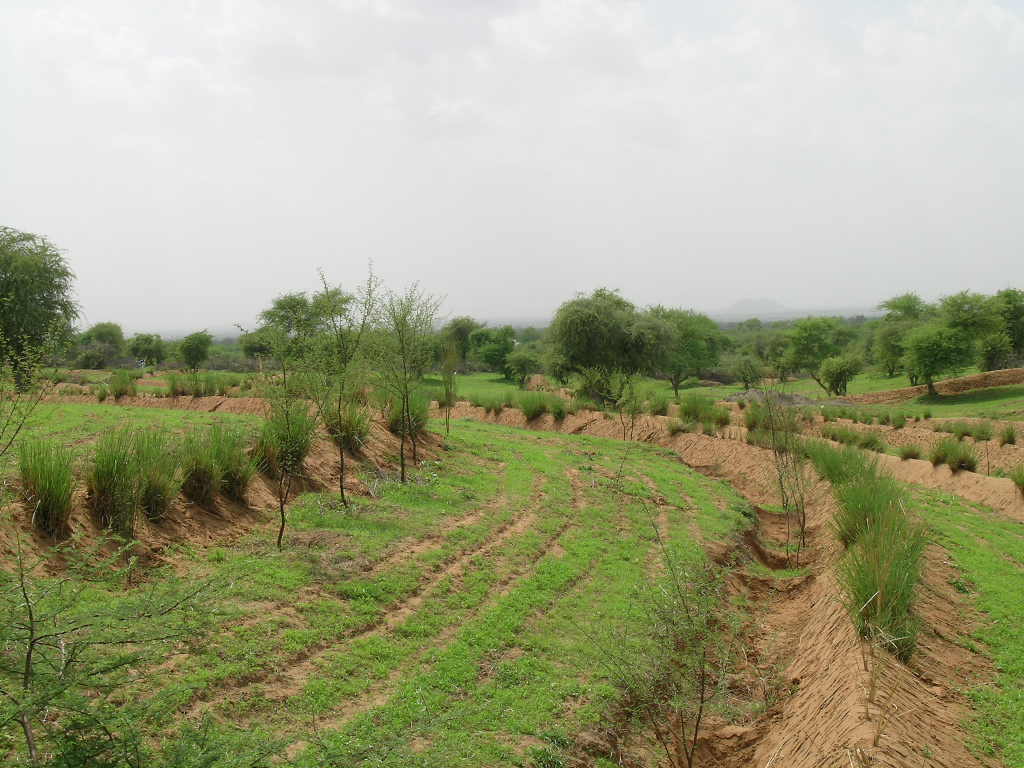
[899, 420]
[202, 476]
[909, 452]
[1008, 436]
[122, 385]
[46, 484]
[955, 454]
[1017, 475]
[113, 482]
[532, 404]
[419, 409]
[880, 574]
[864, 499]
[230, 448]
[837, 465]
[159, 468]
[287, 435]
[982, 431]
[657, 402]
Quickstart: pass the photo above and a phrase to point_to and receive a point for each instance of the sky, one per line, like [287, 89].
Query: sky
[196, 159]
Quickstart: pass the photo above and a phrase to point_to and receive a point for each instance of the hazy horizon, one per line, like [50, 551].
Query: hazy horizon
[196, 160]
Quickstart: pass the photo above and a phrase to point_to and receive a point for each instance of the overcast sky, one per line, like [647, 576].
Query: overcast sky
[195, 159]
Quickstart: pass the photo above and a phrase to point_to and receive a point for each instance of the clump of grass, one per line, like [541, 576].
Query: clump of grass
[1017, 475]
[955, 454]
[200, 467]
[909, 452]
[113, 482]
[863, 499]
[1007, 435]
[837, 465]
[675, 426]
[880, 574]
[532, 404]
[982, 431]
[899, 421]
[871, 441]
[159, 471]
[693, 406]
[657, 403]
[230, 447]
[176, 385]
[46, 484]
[557, 407]
[122, 385]
[287, 435]
[926, 414]
[101, 392]
[491, 403]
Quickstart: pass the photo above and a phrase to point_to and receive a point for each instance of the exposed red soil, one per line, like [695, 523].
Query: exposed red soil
[947, 387]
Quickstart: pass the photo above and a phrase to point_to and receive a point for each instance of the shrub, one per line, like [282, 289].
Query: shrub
[884, 418]
[909, 452]
[350, 428]
[46, 484]
[927, 414]
[121, 385]
[720, 416]
[870, 441]
[288, 432]
[113, 482]
[175, 385]
[101, 392]
[694, 406]
[159, 473]
[201, 471]
[1007, 436]
[532, 404]
[899, 421]
[230, 448]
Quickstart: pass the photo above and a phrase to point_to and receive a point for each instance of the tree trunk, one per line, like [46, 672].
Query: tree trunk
[401, 457]
[675, 386]
[931, 388]
[341, 475]
[283, 487]
[30, 739]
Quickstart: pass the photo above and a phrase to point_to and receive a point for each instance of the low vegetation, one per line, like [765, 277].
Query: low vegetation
[47, 482]
[957, 455]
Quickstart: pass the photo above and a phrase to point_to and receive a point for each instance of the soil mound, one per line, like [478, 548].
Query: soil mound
[947, 387]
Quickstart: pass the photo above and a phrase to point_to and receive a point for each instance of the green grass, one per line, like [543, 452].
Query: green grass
[47, 480]
[448, 621]
[988, 549]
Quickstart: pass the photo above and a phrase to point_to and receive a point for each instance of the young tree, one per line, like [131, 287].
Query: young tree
[974, 314]
[148, 347]
[748, 370]
[814, 339]
[194, 349]
[1010, 304]
[449, 368]
[995, 351]
[255, 347]
[457, 331]
[401, 350]
[491, 347]
[934, 350]
[837, 372]
[889, 345]
[524, 361]
[37, 308]
[906, 306]
[334, 354]
[693, 343]
[595, 332]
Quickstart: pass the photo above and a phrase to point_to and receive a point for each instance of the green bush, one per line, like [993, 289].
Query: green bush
[101, 392]
[1017, 475]
[694, 406]
[175, 385]
[837, 465]
[113, 482]
[159, 471]
[927, 414]
[230, 447]
[350, 428]
[491, 403]
[909, 452]
[558, 407]
[871, 441]
[899, 421]
[46, 484]
[122, 385]
[419, 411]
[1007, 435]
[658, 402]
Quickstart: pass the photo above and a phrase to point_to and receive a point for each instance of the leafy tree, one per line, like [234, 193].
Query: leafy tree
[813, 340]
[973, 313]
[1010, 304]
[906, 306]
[255, 346]
[524, 361]
[529, 334]
[491, 347]
[995, 351]
[402, 348]
[148, 347]
[194, 349]
[335, 354]
[107, 333]
[595, 332]
[37, 308]
[837, 372]
[457, 331]
[889, 341]
[747, 370]
[934, 350]
[693, 343]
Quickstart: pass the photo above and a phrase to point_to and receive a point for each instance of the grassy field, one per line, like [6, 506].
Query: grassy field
[988, 549]
[453, 621]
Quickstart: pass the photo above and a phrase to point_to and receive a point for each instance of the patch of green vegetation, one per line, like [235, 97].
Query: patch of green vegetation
[988, 550]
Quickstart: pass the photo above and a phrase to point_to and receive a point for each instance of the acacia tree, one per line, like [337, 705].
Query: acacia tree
[402, 349]
[333, 356]
[934, 350]
[148, 347]
[813, 340]
[194, 349]
[692, 343]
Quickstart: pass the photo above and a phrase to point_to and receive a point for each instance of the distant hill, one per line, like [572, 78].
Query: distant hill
[769, 309]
